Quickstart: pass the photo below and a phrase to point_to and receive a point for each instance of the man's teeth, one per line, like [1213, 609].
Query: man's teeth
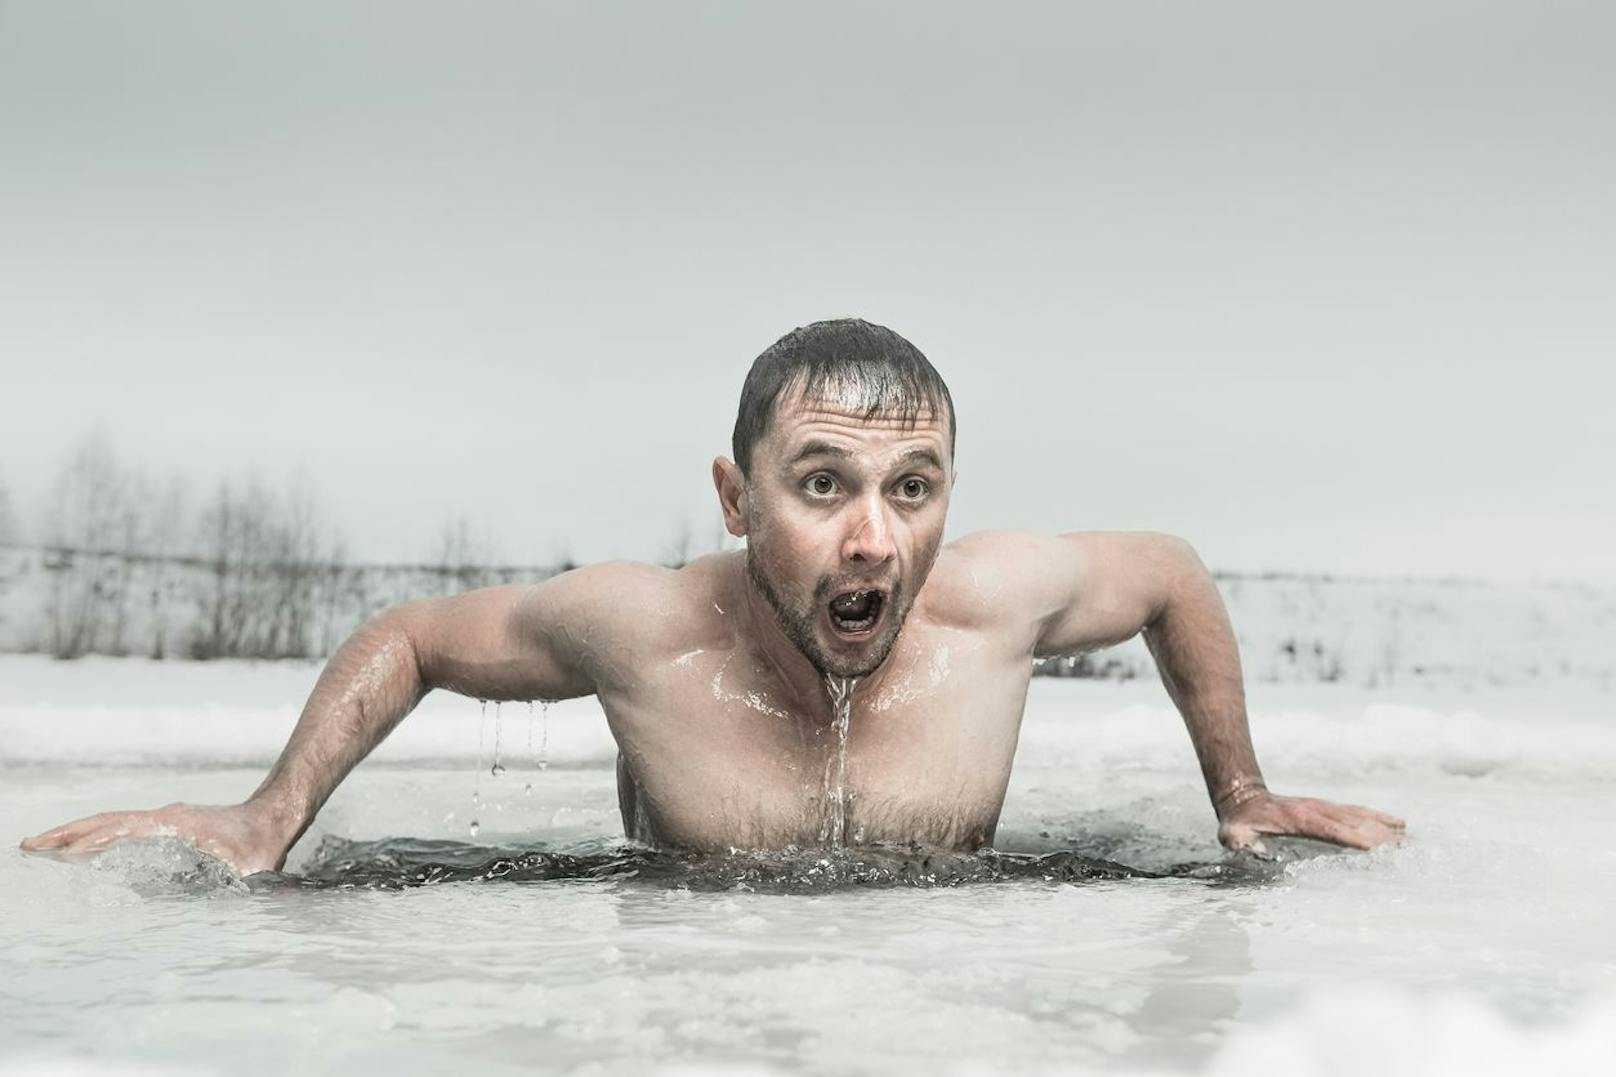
[857, 609]
[852, 604]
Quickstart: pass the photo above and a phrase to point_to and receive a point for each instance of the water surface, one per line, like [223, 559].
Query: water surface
[1106, 932]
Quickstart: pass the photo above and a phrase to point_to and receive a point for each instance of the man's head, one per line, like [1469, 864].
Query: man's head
[844, 461]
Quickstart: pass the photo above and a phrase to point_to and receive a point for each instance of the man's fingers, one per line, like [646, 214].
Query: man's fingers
[1362, 832]
[98, 840]
[66, 834]
[93, 833]
[1378, 816]
[1376, 827]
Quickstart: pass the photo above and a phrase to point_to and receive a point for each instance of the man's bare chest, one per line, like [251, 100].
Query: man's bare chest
[717, 755]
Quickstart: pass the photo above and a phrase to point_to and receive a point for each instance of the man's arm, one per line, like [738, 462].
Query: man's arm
[517, 642]
[1117, 584]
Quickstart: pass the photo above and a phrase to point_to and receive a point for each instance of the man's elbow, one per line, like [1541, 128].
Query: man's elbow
[399, 632]
[1177, 552]
[1179, 568]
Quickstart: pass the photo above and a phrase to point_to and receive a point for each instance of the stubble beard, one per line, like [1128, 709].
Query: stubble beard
[798, 626]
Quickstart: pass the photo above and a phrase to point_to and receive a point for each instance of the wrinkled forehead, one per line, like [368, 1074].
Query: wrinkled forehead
[850, 413]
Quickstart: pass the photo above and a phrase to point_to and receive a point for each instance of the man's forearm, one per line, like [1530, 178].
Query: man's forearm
[1199, 662]
[369, 685]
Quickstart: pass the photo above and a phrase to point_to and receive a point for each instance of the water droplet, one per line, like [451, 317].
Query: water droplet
[482, 730]
[497, 770]
[544, 735]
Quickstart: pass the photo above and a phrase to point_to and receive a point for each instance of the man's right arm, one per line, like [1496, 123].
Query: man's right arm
[516, 642]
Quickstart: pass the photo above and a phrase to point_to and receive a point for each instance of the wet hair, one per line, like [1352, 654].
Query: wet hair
[849, 359]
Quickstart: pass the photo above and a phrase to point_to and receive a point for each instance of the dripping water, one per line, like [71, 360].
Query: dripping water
[833, 829]
[527, 790]
[476, 781]
[498, 768]
[541, 757]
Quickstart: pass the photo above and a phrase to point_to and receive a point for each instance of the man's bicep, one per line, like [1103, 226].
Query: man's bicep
[1111, 585]
[514, 642]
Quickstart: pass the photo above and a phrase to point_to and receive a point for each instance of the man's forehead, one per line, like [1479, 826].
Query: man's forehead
[800, 419]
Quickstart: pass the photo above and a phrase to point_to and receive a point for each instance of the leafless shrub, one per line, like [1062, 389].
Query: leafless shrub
[161, 547]
[85, 518]
[267, 557]
[461, 560]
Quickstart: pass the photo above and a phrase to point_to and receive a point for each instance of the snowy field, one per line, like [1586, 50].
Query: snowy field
[1483, 945]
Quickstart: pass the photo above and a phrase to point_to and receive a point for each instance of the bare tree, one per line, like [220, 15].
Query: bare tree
[131, 523]
[294, 556]
[233, 542]
[85, 520]
[337, 578]
[462, 560]
[264, 554]
[163, 539]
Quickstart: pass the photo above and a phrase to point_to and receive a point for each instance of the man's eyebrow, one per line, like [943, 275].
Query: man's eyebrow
[922, 453]
[820, 448]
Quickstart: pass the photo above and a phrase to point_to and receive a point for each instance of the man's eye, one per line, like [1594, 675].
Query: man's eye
[913, 489]
[821, 484]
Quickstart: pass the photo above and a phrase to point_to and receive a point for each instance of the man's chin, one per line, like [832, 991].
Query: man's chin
[845, 670]
[839, 658]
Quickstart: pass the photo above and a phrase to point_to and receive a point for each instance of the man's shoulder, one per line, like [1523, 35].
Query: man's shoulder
[640, 601]
[998, 544]
[1003, 553]
[998, 575]
[646, 579]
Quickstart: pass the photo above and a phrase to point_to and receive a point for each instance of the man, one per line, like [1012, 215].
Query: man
[722, 681]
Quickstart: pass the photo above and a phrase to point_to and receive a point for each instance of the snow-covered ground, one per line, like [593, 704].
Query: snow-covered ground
[1483, 945]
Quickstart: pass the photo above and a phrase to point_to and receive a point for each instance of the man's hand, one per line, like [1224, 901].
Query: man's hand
[245, 836]
[1244, 825]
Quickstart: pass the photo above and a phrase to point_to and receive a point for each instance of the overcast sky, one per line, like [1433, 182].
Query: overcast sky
[1318, 287]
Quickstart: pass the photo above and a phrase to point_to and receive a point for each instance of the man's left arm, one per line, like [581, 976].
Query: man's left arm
[1126, 582]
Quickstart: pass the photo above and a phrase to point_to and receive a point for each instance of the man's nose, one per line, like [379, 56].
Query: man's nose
[869, 536]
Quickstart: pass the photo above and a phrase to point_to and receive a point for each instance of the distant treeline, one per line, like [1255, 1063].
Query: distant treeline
[72, 602]
[126, 565]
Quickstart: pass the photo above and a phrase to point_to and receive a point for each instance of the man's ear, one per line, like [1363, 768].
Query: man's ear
[731, 486]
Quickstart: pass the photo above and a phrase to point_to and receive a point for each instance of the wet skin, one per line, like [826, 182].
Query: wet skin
[713, 677]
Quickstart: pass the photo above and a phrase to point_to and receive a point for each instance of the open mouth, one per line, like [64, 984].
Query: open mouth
[855, 613]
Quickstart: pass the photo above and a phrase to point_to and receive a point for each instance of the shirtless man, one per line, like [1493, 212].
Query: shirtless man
[720, 680]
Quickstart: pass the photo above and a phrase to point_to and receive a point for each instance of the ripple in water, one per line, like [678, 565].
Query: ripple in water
[402, 863]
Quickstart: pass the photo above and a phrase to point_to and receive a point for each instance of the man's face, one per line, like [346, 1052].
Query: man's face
[844, 516]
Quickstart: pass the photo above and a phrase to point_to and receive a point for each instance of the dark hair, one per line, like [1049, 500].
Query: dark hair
[856, 359]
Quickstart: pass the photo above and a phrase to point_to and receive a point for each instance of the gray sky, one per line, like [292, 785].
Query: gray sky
[1316, 287]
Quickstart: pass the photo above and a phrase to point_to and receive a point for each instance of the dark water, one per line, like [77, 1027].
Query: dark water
[399, 863]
